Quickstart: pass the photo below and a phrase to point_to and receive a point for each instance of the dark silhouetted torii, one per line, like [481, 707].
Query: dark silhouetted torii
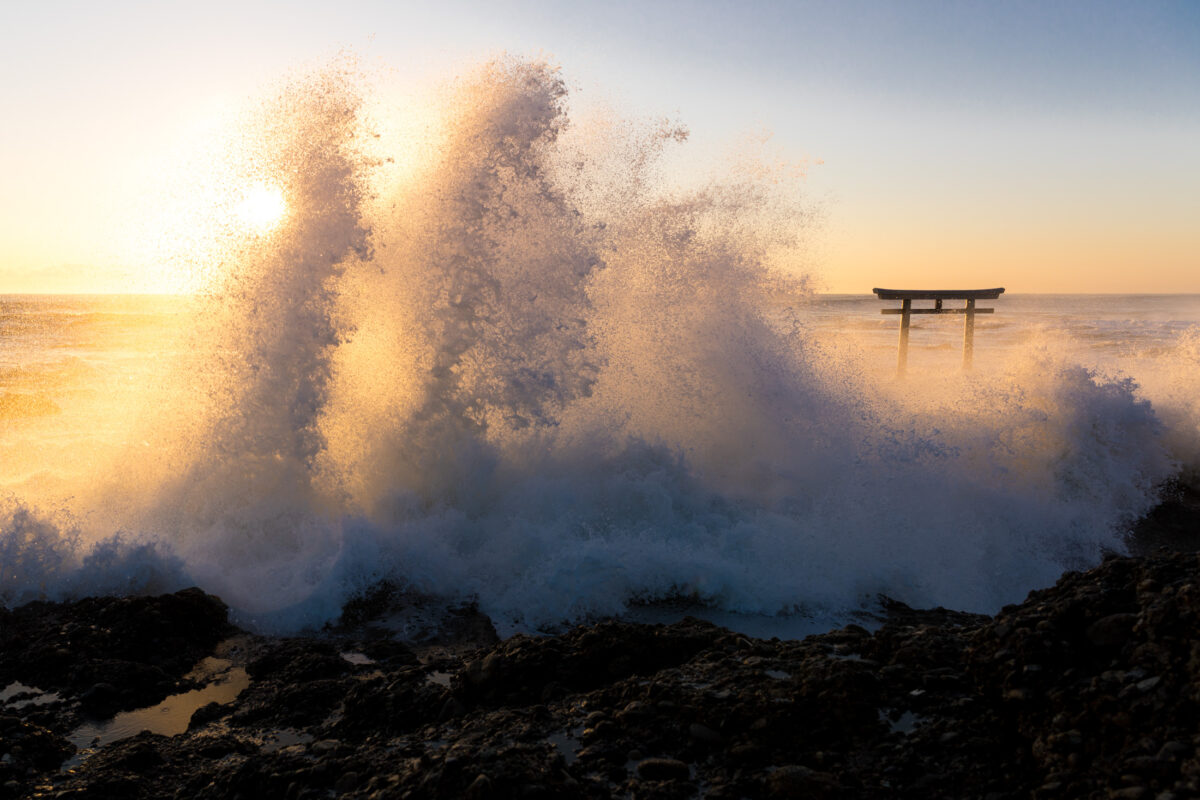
[906, 297]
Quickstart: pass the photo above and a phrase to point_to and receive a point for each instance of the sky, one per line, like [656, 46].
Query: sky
[1040, 146]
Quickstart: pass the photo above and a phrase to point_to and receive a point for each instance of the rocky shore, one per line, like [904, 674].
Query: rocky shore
[1090, 688]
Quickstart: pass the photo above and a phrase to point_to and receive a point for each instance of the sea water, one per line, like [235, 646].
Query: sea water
[519, 372]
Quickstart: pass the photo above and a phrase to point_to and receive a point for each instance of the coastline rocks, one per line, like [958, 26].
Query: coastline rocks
[1087, 689]
[26, 748]
[528, 669]
[1113, 703]
[663, 769]
[112, 653]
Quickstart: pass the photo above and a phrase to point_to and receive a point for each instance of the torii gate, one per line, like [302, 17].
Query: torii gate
[906, 296]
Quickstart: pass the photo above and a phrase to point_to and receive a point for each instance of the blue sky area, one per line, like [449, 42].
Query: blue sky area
[1039, 144]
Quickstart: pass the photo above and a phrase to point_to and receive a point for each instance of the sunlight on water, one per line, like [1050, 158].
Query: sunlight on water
[510, 366]
[168, 718]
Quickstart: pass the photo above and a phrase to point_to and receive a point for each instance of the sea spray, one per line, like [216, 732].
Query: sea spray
[248, 507]
[1174, 383]
[520, 371]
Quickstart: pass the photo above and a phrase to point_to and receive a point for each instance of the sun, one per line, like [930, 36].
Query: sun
[261, 207]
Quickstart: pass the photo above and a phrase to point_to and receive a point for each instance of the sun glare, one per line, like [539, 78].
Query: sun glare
[261, 207]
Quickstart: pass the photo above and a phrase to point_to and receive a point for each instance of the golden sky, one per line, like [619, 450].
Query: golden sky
[1045, 147]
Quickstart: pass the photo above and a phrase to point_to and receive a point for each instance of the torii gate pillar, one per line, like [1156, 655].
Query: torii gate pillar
[906, 296]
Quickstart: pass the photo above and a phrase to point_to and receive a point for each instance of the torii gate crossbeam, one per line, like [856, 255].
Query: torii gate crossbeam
[906, 296]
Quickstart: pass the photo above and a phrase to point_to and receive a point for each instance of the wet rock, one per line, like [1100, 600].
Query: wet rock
[1111, 631]
[347, 782]
[1089, 688]
[480, 788]
[663, 769]
[1173, 751]
[516, 671]
[137, 754]
[121, 652]
[299, 661]
[797, 781]
[206, 714]
[101, 700]
[25, 747]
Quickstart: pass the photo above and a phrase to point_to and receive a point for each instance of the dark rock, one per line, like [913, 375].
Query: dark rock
[1111, 631]
[797, 781]
[206, 714]
[480, 788]
[25, 746]
[515, 671]
[101, 700]
[1089, 688]
[703, 733]
[663, 769]
[299, 661]
[121, 652]
[347, 782]
[137, 754]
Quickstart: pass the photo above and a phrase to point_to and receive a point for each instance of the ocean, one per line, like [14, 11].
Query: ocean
[521, 376]
[960, 489]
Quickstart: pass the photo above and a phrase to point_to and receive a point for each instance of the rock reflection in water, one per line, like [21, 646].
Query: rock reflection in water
[168, 718]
